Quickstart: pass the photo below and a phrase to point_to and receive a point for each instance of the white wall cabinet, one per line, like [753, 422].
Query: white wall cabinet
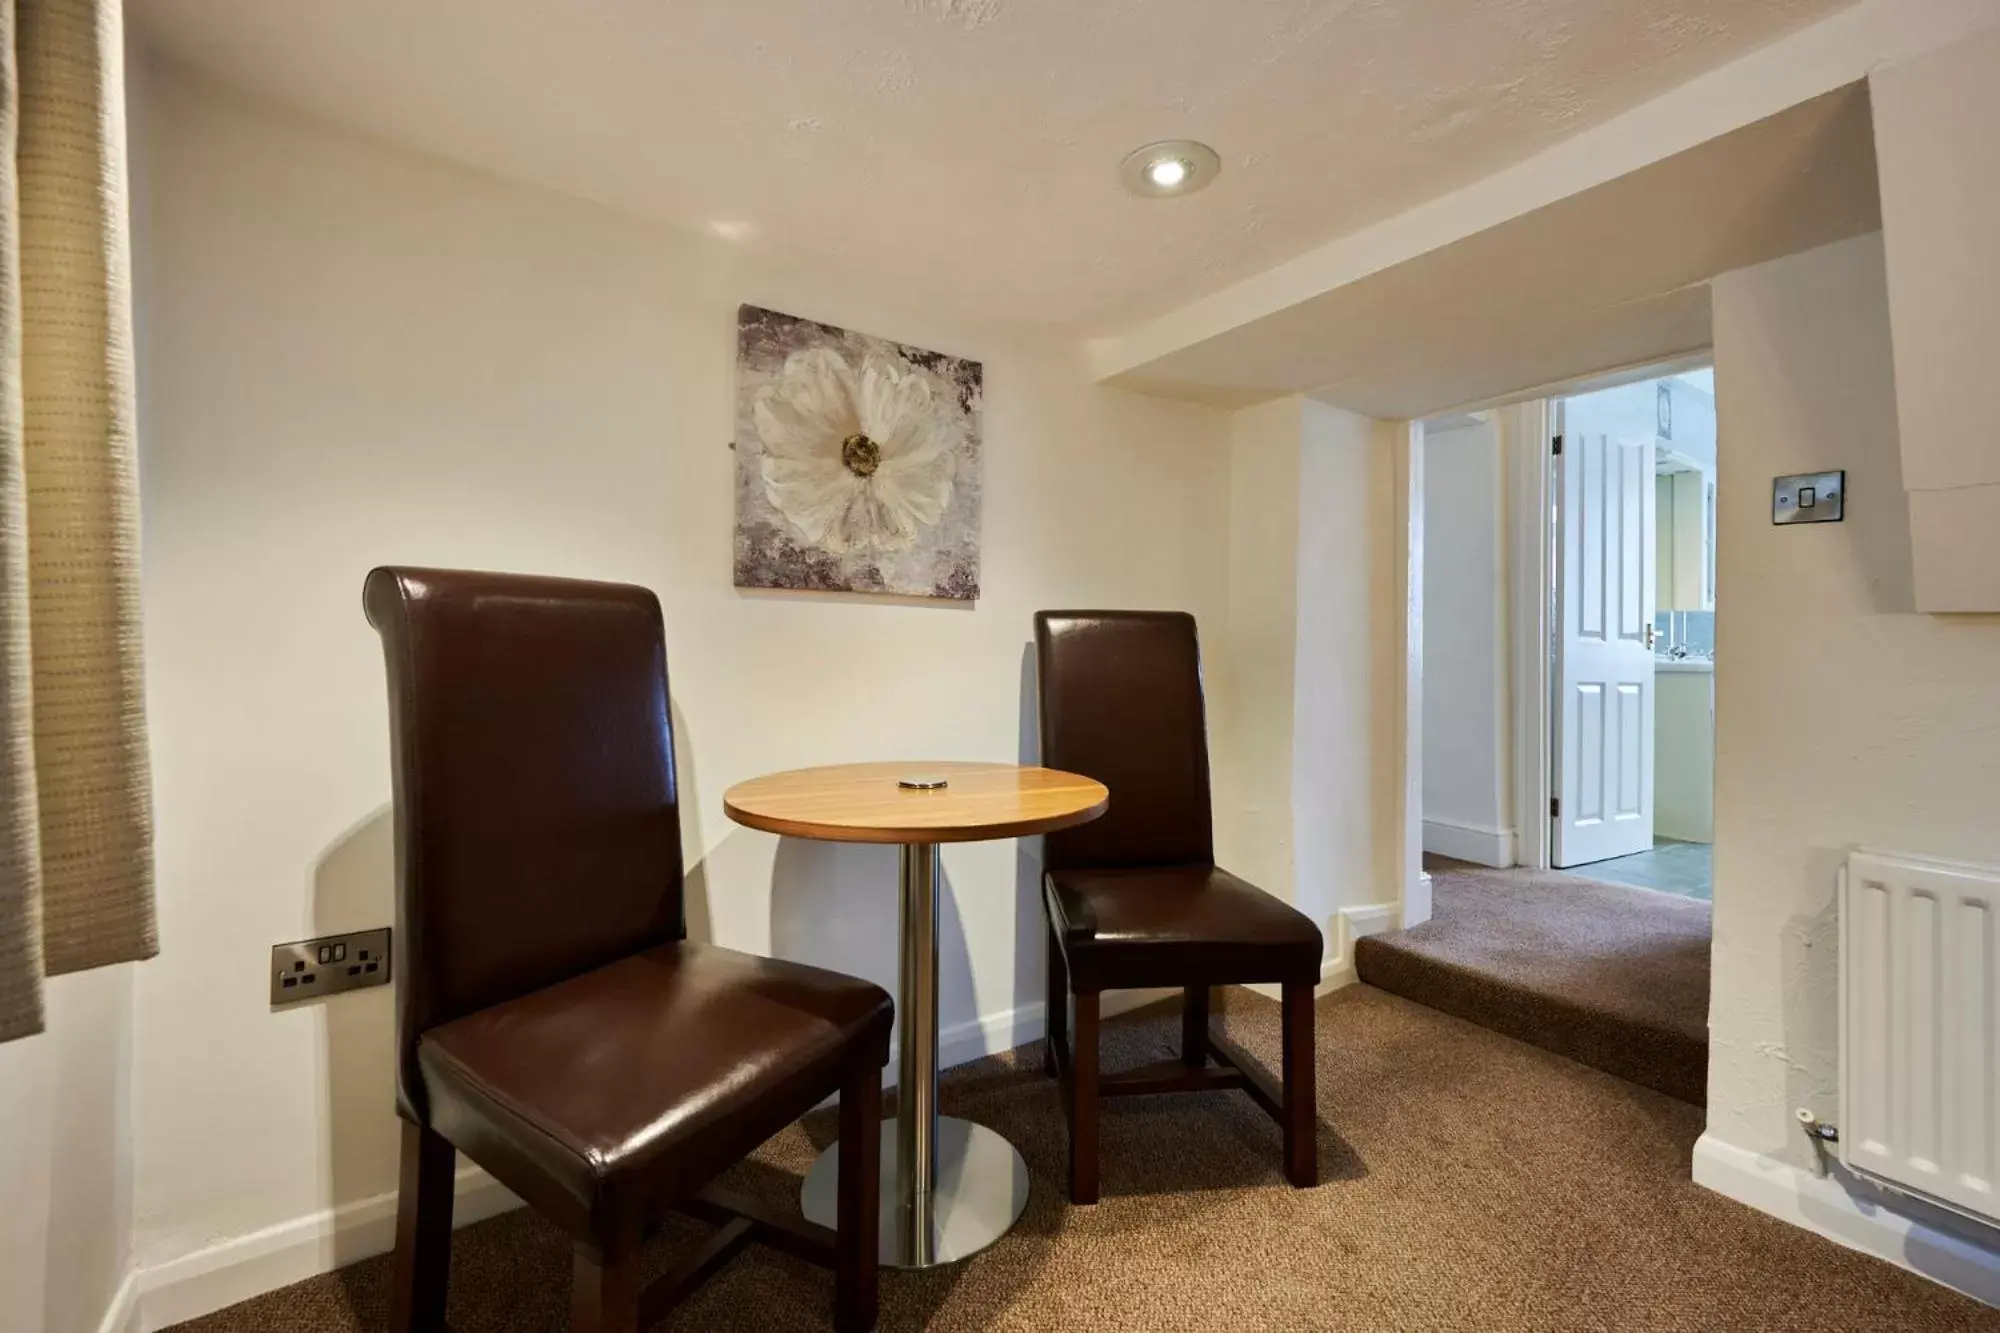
[1686, 540]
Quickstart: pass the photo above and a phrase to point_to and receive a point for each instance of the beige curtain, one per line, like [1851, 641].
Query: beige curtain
[76, 873]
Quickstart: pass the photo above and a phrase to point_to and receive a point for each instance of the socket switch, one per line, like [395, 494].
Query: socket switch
[307, 969]
[1809, 497]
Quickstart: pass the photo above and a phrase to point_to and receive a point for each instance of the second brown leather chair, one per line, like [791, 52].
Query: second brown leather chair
[554, 1023]
[1136, 899]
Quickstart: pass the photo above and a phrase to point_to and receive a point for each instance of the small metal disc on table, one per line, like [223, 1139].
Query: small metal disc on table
[982, 1186]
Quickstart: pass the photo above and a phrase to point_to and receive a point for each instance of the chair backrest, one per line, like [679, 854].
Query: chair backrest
[537, 824]
[1121, 702]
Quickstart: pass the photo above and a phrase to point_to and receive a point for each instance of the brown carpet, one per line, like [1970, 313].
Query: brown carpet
[1612, 976]
[1470, 1182]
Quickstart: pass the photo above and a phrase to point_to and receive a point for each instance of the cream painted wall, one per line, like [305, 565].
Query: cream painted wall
[1258, 655]
[1301, 808]
[1468, 723]
[1935, 118]
[1346, 656]
[1842, 716]
[357, 356]
[66, 1158]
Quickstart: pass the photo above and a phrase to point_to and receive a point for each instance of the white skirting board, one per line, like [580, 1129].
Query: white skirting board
[1469, 842]
[237, 1269]
[123, 1315]
[1866, 1221]
[1349, 924]
[245, 1266]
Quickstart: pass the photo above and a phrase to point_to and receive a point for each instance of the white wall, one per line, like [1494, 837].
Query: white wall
[1842, 716]
[66, 1158]
[1935, 120]
[1346, 657]
[1468, 750]
[1259, 652]
[359, 356]
[1302, 808]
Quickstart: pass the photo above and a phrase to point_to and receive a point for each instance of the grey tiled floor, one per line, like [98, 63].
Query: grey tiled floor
[1684, 868]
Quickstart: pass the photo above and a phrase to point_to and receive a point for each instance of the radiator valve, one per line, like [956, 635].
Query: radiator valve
[1817, 1129]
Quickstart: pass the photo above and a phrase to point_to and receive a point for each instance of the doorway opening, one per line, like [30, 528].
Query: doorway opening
[1466, 707]
[1556, 605]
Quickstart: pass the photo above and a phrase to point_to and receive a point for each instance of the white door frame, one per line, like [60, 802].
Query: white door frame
[1526, 434]
[1413, 885]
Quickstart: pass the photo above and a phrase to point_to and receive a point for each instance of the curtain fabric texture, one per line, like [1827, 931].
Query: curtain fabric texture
[76, 870]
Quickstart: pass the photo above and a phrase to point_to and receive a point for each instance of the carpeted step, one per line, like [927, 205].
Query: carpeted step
[1609, 976]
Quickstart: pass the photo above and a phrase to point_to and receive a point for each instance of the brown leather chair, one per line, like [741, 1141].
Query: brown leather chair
[554, 1024]
[1135, 899]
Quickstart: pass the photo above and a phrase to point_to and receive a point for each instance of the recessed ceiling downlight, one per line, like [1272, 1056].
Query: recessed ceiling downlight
[1173, 167]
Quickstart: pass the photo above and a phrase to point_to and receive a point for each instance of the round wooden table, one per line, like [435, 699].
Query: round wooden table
[950, 1188]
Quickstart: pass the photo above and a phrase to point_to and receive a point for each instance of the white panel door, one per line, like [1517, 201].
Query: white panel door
[1606, 554]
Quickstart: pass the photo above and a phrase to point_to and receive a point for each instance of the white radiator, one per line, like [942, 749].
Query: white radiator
[1920, 1027]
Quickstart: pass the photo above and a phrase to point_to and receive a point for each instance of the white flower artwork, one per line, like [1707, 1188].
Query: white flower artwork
[857, 462]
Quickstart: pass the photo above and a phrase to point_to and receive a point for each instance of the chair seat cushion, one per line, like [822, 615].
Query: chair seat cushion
[607, 1097]
[1176, 926]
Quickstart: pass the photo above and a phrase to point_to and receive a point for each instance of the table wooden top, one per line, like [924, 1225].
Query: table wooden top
[862, 803]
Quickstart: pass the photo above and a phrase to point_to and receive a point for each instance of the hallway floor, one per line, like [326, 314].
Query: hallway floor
[1686, 869]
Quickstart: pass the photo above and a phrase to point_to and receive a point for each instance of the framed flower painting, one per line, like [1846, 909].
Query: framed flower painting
[857, 462]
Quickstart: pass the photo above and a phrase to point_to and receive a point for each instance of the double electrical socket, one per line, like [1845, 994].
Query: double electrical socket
[307, 969]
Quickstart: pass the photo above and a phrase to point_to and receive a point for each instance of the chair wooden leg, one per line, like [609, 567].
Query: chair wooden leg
[858, 1209]
[1084, 1104]
[1194, 1027]
[422, 1271]
[1301, 1105]
[1058, 1015]
[604, 1290]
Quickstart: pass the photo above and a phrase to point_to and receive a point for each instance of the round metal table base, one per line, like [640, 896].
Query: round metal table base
[982, 1186]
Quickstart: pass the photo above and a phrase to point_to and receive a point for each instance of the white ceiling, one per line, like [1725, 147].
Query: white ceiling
[1611, 276]
[967, 149]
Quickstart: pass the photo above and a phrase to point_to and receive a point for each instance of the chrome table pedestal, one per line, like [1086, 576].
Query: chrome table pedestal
[950, 1188]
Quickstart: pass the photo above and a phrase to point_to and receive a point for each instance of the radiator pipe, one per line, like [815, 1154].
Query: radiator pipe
[1821, 1134]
